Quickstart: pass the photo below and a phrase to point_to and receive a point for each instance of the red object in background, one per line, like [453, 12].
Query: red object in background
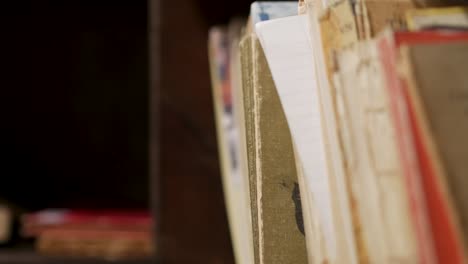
[432, 217]
[35, 223]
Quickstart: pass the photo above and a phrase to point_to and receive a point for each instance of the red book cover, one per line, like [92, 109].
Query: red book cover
[437, 236]
[33, 224]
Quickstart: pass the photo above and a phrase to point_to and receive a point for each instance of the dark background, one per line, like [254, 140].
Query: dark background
[74, 104]
[75, 114]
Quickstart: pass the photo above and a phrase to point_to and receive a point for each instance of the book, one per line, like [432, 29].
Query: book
[290, 57]
[436, 232]
[454, 18]
[235, 183]
[335, 155]
[342, 141]
[437, 108]
[271, 166]
[375, 173]
[340, 25]
[275, 171]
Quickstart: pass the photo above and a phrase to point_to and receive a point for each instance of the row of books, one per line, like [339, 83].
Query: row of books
[341, 131]
[102, 234]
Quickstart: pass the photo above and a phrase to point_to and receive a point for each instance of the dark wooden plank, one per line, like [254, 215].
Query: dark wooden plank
[192, 217]
[154, 36]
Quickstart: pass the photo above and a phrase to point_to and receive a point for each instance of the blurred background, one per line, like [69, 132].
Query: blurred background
[106, 111]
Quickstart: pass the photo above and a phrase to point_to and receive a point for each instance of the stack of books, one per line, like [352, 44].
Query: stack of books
[341, 131]
[112, 235]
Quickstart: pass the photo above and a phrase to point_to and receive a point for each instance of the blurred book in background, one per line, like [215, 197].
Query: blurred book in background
[97, 234]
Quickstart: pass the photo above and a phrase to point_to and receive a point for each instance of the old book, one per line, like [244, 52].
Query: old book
[437, 235]
[340, 25]
[271, 164]
[335, 162]
[273, 213]
[345, 22]
[290, 57]
[244, 212]
[455, 18]
[438, 102]
[335, 155]
[235, 185]
[373, 165]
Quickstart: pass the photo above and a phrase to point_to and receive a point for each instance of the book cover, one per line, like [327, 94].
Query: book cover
[376, 178]
[436, 236]
[438, 119]
[454, 18]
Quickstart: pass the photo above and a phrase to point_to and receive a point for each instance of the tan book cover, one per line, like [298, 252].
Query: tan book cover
[275, 197]
[249, 128]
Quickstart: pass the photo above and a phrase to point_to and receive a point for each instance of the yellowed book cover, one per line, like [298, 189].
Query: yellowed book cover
[342, 247]
[374, 168]
[249, 131]
[373, 16]
[455, 17]
[278, 233]
[341, 25]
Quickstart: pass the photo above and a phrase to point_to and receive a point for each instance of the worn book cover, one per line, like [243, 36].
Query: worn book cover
[436, 235]
[438, 103]
[340, 190]
[277, 229]
[249, 126]
[375, 173]
[281, 233]
[343, 24]
[452, 18]
[290, 57]
[272, 171]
